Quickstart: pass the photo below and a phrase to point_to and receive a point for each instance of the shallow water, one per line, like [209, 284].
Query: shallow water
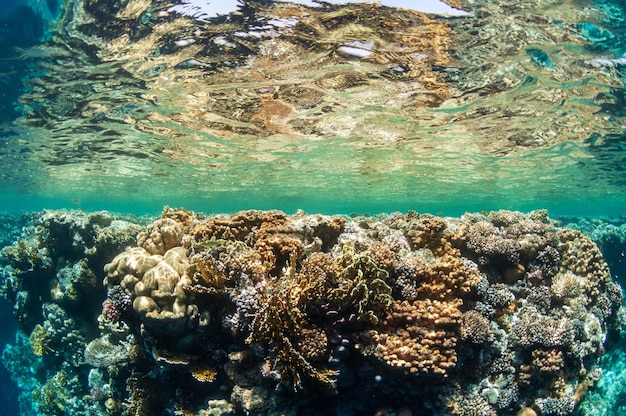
[130, 105]
[336, 109]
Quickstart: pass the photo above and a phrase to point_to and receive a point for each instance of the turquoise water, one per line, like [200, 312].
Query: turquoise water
[507, 106]
[343, 108]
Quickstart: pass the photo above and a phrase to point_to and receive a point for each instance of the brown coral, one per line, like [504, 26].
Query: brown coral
[419, 337]
[248, 262]
[548, 360]
[160, 236]
[447, 277]
[583, 258]
[183, 217]
[429, 233]
[382, 254]
[234, 227]
[313, 344]
[474, 328]
[277, 324]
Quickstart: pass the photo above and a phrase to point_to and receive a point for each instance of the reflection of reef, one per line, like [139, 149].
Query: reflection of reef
[272, 69]
[485, 314]
[515, 77]
[527, 76]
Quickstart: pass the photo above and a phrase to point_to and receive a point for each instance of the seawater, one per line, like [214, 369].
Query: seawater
[349, 108]
[361, 108]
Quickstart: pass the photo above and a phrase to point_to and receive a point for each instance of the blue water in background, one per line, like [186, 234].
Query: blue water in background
[20, 26]
[8, 389]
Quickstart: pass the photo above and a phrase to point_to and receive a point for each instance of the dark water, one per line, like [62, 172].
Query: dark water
[8, 389]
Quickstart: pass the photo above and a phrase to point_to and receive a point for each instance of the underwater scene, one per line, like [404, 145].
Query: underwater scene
[350, 208]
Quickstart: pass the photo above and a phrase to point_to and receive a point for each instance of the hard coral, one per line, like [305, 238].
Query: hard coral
[449, 277]
[474, 328]
[536, 330]
[277, 323]
[583, 258]
[129, 266]
[491, 307]
[160, 236]
[235, 227]
[419, 337]
[156, 284]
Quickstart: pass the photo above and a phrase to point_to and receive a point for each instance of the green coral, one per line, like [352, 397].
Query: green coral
[52, 397]
[364, 287]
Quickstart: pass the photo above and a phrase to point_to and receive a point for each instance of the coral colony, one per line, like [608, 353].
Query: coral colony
[264, 313]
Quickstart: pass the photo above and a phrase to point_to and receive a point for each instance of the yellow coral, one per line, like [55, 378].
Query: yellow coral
[40, 340]
[583, 258]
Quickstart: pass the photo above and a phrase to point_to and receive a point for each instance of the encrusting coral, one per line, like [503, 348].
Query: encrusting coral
[486, 314]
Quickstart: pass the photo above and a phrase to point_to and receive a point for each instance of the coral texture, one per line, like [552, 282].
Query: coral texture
[263, 312]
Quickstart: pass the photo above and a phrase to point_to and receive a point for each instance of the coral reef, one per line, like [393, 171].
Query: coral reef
[52, 274]
[262, 312]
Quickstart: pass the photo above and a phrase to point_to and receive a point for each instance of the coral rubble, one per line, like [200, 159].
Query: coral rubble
[262, 313]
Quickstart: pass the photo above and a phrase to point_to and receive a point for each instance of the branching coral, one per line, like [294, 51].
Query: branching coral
[419, 337]
[536, 330]
[448, 277]
[583, 258]
[474, 328]
[277, 323]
